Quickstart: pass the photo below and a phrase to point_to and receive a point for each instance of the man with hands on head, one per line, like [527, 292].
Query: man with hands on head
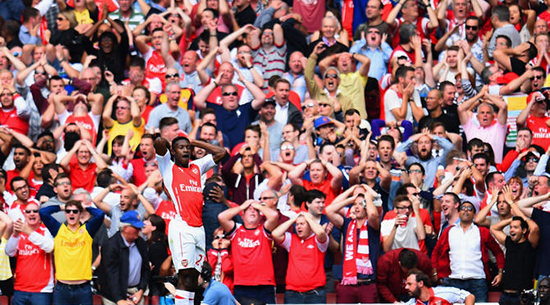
[521, 244]
[305, 279]
[83, 172]
[251, 250]
[361, 245]
[183, 181]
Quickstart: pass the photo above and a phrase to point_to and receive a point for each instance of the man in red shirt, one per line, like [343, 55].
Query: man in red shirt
[21, 157]
[137, 166]
[83, 171]
[23, 197]
[182, 180]
[32, 244]
[305, 278]
[251, 242]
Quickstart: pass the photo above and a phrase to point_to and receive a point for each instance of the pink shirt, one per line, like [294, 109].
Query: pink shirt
[495, 135]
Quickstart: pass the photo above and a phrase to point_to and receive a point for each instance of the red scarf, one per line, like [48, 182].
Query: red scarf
[356, 259]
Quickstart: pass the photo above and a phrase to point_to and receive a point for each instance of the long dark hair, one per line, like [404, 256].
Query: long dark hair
[159, 235]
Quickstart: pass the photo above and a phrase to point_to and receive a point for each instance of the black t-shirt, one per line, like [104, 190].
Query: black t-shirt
[520, 263]
[452, 124]
[246, 16]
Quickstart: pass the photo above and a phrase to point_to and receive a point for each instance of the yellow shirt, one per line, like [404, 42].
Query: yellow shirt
[186, 98]
[83, 17]
[73, 254]
[122, 129]
[353, 85]
[5, 271]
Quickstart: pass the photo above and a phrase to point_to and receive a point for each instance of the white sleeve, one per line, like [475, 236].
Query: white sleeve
[287, 241]
[62, 117]
[23, 109]
[451, 294]
[391, 100]
[155, 86]
[205, 163]
[386, 226]
[11, 246]
[44, 242]
[165, 162]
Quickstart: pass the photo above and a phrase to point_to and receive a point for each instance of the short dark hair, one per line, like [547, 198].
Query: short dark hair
[167, 121]
[206, 111]
[502, 12]
[77, 204]
[28, 13]
[491, 177]
[475, 142]
[180, 138]
[456, 199]
[206, 272]
[46, 176]
[408, 259]
[419, 165]
[208, 124]
[523, 223]
[444, 85]
[21, 146]
[59, 177]
[507, 39]
[136, 61]
[255, 128]
[351, 112]
[402, 190]
[281, 80]
[386, 138]
[105, 177]
[401, 72]
[400, 198]
[15, 179]
[540, 69]
[420, 277]
[312, 195]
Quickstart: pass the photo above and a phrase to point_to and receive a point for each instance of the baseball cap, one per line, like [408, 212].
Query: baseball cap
[132, 218]
[322, 121]
[268, 101]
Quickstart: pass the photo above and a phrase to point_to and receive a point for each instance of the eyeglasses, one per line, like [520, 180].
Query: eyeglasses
[41, 73]
[172, 75]
[64, 183]
[31, 211]
[60, 19]
[471, 27]
[122, 107]
[72, 211]
[418, 171]
[467, 208]
[21, 188]
[234, 93]
[536, 77]
[532, 159]
[218, 237]
[332, 75]
[416, 194]
[404, 208]
[266, 198]
[244, 52]
[267, 33]
[287, 147]
[324, 105]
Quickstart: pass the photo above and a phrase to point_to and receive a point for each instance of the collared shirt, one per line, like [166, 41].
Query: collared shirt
[281, 113]
[26, 37]
[379, 57]
[133, 21]
[162, 111]
[465, 253]
[134, 273]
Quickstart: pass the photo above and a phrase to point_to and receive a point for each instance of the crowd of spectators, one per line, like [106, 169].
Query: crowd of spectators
[358, 148]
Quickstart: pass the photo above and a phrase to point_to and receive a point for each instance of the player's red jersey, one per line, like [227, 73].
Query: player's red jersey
[185, 186]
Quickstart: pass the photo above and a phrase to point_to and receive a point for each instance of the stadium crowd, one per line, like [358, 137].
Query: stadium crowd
[220, 150]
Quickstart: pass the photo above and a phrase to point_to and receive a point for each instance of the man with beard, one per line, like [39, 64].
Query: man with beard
[402, 101]
[425, 157]
[419, 287]
[472, 44]
[520, 254]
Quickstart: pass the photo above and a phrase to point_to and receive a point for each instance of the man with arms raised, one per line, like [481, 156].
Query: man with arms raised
[186, 237]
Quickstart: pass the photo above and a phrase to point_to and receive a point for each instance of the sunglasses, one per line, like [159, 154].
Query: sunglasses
[31, 211]
[415, 171]
[172, 75]
[324, 105]
[332, 75]
[471, 27]
[536, 77]
[404, 208]
[532, 159]
[266, 198]
[285, 147]
[72, 211]
[64, 183]
[230, 93]
[467, 208]
[122, 107]
[218, 237]
[310, 105]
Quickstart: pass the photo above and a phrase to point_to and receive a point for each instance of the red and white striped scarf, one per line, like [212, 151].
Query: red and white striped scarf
[356, 258]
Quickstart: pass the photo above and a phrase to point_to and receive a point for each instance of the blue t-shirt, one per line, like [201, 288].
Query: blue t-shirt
[542, 219]
[218, 294]
[232, 123]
